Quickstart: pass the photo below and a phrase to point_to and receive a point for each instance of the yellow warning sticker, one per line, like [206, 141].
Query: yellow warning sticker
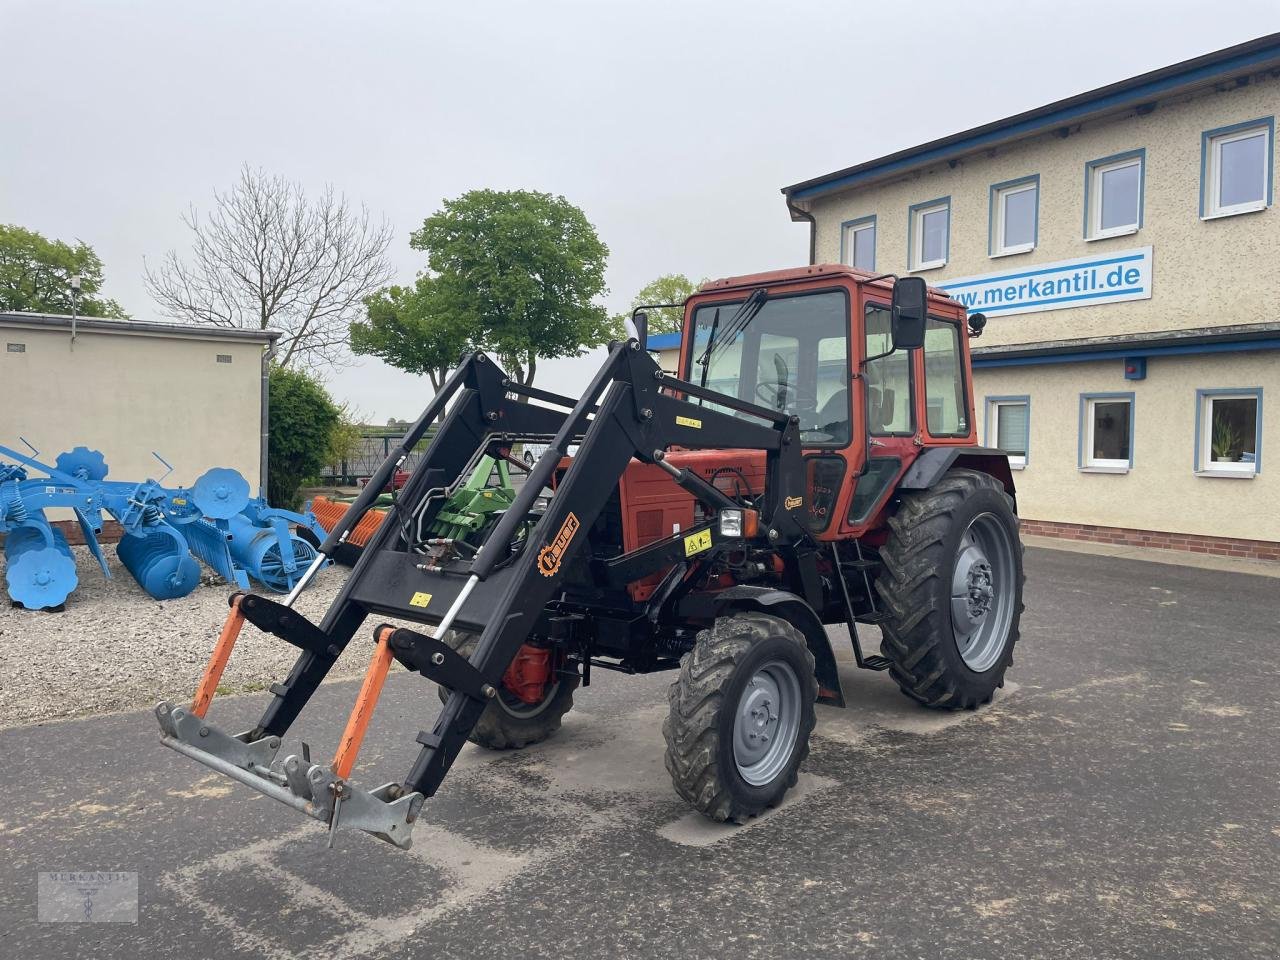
[697, 542]
[420, 599]
[791, 503]
[689, 422]
[178, 501]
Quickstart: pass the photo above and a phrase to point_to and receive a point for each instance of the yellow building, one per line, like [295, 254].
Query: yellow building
[1123, 245]
[195, 395]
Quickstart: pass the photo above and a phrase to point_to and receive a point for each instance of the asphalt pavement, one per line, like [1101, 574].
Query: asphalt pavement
[1119, 799]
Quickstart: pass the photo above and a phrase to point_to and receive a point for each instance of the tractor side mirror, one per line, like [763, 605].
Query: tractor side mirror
[910, 306]
[640, 320]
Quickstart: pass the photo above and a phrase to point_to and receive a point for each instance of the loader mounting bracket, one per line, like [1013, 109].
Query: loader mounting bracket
[439, 662]
[387, 811]
[287, 624]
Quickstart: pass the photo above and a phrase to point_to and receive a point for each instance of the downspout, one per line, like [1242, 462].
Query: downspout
[265, 421]
[798, 214]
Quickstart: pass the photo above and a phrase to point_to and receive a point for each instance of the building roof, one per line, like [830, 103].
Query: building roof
[189, 331]
[1236, 63]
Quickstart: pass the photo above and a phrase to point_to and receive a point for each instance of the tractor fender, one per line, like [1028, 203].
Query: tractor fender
[928, 468]
[793, 609]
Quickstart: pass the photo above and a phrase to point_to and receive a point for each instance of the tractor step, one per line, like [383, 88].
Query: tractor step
[859, 564]
[876, 663]
[874, 617]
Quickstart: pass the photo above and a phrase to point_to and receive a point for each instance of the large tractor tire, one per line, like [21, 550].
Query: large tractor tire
[741, 716]
[508, 723]
[952, 588]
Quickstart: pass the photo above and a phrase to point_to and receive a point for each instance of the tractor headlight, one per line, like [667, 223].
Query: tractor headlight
[730, 523]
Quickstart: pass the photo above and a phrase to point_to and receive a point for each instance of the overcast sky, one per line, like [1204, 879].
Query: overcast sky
[672, 124]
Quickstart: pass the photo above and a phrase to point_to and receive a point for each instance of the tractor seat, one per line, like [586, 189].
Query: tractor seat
[834, 413]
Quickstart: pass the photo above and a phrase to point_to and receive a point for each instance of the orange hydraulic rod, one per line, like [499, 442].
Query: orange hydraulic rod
[218, 662]
[362, 712]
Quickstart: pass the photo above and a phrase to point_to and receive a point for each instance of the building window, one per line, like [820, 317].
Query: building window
[1106, 432]
[858, 243]
[929, 234]
[1236, 168]
[1009, 427]
[1015, 216]
[1229, 432]
[1113, 195]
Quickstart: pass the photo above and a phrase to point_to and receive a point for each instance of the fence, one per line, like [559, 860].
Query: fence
[368, 456]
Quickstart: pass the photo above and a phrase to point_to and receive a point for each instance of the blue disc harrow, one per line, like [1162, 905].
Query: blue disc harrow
[167, 532]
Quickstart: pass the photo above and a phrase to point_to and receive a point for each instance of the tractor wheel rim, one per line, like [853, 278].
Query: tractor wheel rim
[983, 592]
[513, 706]
[767, 723]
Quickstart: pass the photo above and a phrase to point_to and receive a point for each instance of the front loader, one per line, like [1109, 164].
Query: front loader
[814, 464]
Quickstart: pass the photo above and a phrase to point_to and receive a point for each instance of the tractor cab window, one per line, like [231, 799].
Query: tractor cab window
[944, 389]
[888, 378]
[792, 356]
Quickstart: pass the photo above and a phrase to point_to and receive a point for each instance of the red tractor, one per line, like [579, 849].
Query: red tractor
[815, 463]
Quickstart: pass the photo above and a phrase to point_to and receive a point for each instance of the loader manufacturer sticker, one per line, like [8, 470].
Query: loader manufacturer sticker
[689, 422]
[697, 542]
[550, 556]
[420, 599]
[793, 503]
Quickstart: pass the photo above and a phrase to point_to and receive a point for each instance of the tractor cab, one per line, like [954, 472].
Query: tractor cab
[875, 372]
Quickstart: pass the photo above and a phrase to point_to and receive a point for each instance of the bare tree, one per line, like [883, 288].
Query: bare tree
[267, 256]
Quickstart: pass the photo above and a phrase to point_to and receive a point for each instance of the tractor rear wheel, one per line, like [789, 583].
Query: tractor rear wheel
[952, 587]
[741, 715]
[509, 722]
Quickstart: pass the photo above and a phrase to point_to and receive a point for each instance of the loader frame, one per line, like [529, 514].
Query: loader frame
[523, 580]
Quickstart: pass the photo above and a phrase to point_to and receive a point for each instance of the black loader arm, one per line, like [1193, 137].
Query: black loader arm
[498, 591]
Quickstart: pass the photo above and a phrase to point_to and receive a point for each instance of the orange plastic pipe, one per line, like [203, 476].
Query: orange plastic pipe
[218, 662]
[362, 712]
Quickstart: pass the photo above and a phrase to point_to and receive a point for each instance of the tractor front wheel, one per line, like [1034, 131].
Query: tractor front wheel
[510, 721]
[952, 587]
[741, 716]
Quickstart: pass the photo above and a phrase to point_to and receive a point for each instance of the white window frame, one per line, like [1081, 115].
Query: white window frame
[1088, 462]
[1206, 466]
[1096, 169]
[916, 230]
[1000, 193]
[849, 239]
[1211, 188]
[992, 433]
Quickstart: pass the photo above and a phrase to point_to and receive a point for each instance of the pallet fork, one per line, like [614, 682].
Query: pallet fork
[507, 589]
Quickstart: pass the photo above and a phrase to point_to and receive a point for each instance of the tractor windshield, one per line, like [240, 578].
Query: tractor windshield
[792, 356]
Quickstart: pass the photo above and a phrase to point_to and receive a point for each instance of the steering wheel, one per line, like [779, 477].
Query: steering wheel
[770, 393]
[806, 408]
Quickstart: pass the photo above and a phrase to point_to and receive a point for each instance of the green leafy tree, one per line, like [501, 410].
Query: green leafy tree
[519, 271]
[405, 327]
[304, 424]
[346, 437]
[35, 275]
[669, 288]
